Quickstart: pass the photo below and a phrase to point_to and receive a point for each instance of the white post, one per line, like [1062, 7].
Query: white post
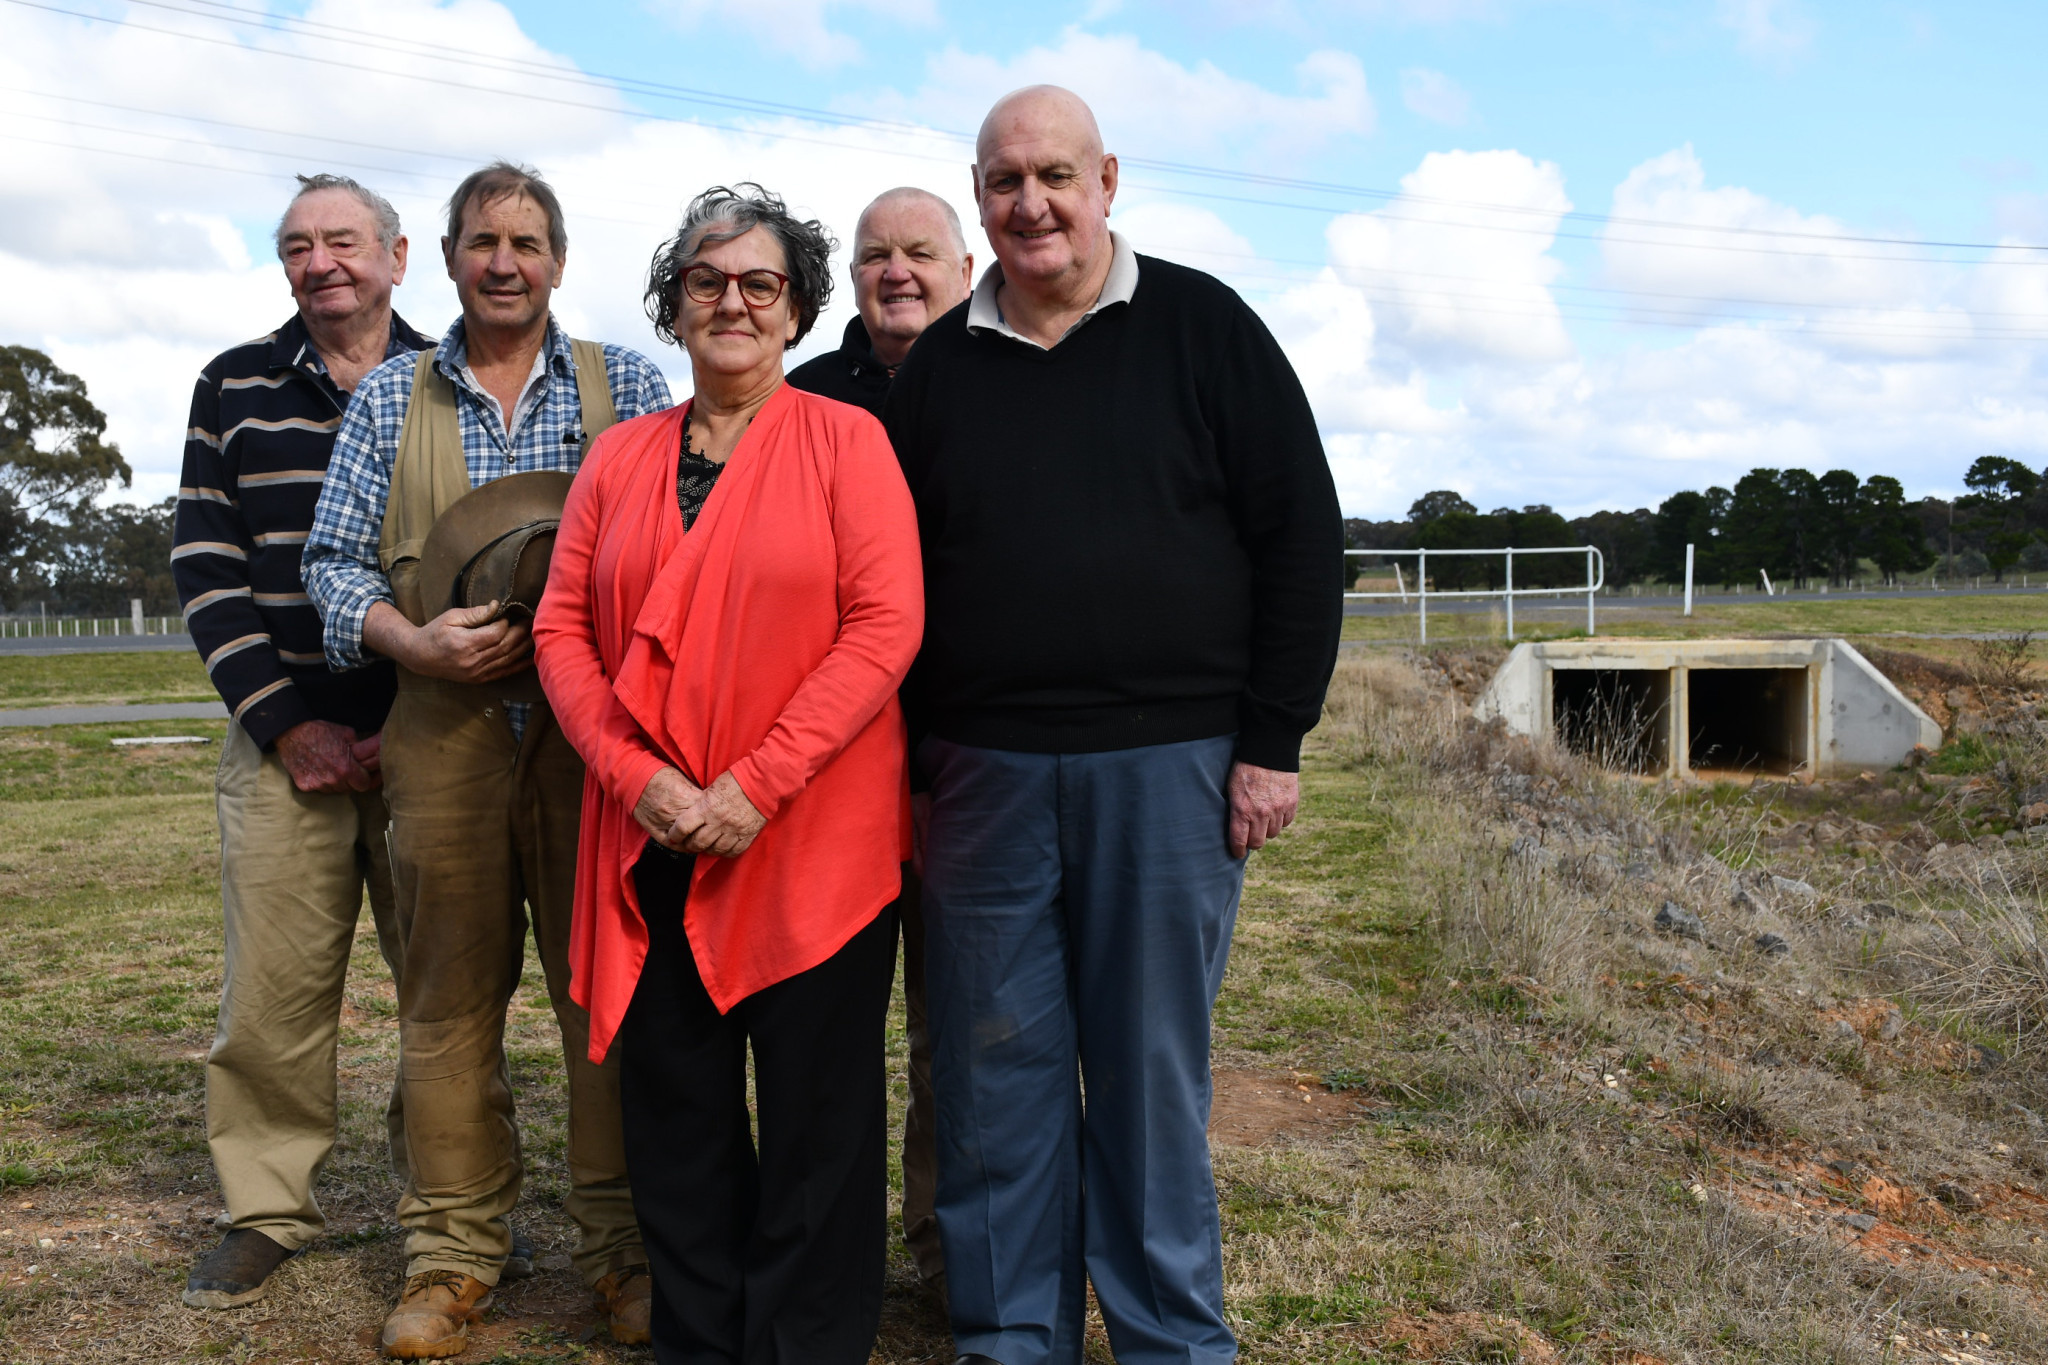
[1422, 589]
[135, 613]
[1402, 584]
[1589, 590]
[1688, 579]
[1769, 591]
[1511, 594]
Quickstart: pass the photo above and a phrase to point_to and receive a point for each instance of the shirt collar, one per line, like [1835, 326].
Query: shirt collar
[293, 346]
[985, 313]
[451, 357]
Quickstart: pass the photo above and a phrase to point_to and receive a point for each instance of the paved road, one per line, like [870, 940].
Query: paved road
[104, 715]
[91, 644]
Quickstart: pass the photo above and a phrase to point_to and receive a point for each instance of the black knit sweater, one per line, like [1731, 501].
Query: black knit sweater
[1130, 539]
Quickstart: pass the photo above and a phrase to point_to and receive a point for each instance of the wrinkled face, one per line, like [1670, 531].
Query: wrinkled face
[907, 271]
[1044, 190]
[503, 268]
[336, 266]
[731, 337]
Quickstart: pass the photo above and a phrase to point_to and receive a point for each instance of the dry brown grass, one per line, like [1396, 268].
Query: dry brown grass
[1532, 1126]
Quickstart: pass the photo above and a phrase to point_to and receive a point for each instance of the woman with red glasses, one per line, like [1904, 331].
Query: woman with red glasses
[735, 595]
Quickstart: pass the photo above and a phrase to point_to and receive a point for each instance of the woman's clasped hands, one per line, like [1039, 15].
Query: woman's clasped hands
[686, 818]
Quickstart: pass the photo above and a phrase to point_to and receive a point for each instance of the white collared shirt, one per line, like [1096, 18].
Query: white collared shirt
[985, 310]
[529, 395]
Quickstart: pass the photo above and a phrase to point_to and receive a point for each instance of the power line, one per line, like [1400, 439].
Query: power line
[279, 23]
[1467, 302]
[1348, 270]
[524, 67]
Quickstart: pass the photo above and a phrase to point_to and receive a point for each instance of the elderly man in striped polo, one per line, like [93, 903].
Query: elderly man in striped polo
[301, 820]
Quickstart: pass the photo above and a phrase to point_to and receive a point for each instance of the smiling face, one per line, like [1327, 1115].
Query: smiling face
[1045, 187]
[337, 268]
[908, 270]
[503, 268]
[729, 341]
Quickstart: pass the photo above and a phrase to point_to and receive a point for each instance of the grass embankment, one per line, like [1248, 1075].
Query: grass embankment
[1851, 615]
[169, 675]
[1472, 1105]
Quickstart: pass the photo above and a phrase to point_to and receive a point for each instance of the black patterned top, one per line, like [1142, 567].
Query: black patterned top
[695, 478]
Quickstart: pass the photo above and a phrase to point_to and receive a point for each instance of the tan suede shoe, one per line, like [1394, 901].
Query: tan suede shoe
[433, 1316]
[627, 1297]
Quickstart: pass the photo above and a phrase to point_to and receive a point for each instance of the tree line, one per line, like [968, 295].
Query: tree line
[1799, 527]
[60, 550]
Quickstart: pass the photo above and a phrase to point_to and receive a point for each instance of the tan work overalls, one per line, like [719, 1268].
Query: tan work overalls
[483, 825]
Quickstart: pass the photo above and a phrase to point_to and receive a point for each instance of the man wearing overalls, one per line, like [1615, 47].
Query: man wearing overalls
[484, 791]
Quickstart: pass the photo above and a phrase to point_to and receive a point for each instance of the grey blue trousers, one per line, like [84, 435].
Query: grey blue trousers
[1078, 912]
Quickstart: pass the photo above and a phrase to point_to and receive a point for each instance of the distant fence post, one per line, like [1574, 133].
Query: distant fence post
[1688, 579]
[1422, 591]
[135, 614]
[1511, 594]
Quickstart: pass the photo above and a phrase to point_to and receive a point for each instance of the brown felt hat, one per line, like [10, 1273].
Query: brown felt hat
[494, 545]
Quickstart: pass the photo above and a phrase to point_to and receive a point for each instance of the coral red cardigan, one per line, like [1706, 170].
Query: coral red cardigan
[768, 642]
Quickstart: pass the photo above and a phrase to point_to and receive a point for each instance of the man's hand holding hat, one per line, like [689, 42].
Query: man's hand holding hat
[462, 644]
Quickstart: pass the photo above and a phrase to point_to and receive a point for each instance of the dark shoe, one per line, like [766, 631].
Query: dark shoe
[976, 1360]
[433, 1316]
[235, 1272]
[519, 1261]
[627, 1298]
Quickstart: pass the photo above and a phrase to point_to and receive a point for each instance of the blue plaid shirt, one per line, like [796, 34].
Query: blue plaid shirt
[341, 567]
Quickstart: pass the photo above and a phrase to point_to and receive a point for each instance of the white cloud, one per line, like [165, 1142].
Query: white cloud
[1457, 286]
[1434, 340]
[802, 29]
[1773, 30]
[1145, 99]
[1423, 381]
[1435, 97]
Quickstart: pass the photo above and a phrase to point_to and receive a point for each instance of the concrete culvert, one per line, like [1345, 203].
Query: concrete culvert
[1710, 708]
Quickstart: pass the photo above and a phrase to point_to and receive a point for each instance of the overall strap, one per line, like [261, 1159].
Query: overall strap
[427, 475]
[593, 390]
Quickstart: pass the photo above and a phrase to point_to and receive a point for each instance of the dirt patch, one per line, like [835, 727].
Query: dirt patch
[1467, 1336]
[1256, 1109]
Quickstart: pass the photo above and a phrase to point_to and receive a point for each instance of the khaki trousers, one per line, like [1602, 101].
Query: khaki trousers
[483, 826]
[294, 866]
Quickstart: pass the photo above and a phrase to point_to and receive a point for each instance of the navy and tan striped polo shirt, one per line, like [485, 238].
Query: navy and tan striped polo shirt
[264, 416]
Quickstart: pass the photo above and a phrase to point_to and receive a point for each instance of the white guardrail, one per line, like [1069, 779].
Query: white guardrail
[1596, 579]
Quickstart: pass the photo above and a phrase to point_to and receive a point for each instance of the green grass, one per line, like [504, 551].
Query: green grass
[1848, 615]
[171, 675]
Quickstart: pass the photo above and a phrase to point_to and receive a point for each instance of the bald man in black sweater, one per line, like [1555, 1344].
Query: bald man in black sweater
[1133, 586]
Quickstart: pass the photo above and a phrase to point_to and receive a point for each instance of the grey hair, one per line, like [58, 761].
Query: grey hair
[952, 216]
[379, 207]
[723, 213]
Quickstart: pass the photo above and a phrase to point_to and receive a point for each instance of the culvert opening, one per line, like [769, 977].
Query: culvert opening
[1614, 716]
[1747, 720]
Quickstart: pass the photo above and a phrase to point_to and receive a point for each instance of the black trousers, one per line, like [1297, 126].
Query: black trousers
[775, 1256]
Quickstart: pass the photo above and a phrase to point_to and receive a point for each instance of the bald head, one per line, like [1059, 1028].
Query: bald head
[1044, 187]
[1040, 111]
[909, 201]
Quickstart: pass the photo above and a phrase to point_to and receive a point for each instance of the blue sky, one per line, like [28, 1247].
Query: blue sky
[1469, 334]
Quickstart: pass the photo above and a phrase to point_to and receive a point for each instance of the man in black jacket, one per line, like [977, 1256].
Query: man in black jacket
[1133, 589]
[910, 267]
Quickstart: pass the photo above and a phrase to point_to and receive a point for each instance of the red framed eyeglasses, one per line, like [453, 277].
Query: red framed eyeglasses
[758, 288]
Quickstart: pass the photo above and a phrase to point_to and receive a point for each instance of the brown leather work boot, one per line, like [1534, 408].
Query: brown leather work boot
[627, 1297]
[433, 1316]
